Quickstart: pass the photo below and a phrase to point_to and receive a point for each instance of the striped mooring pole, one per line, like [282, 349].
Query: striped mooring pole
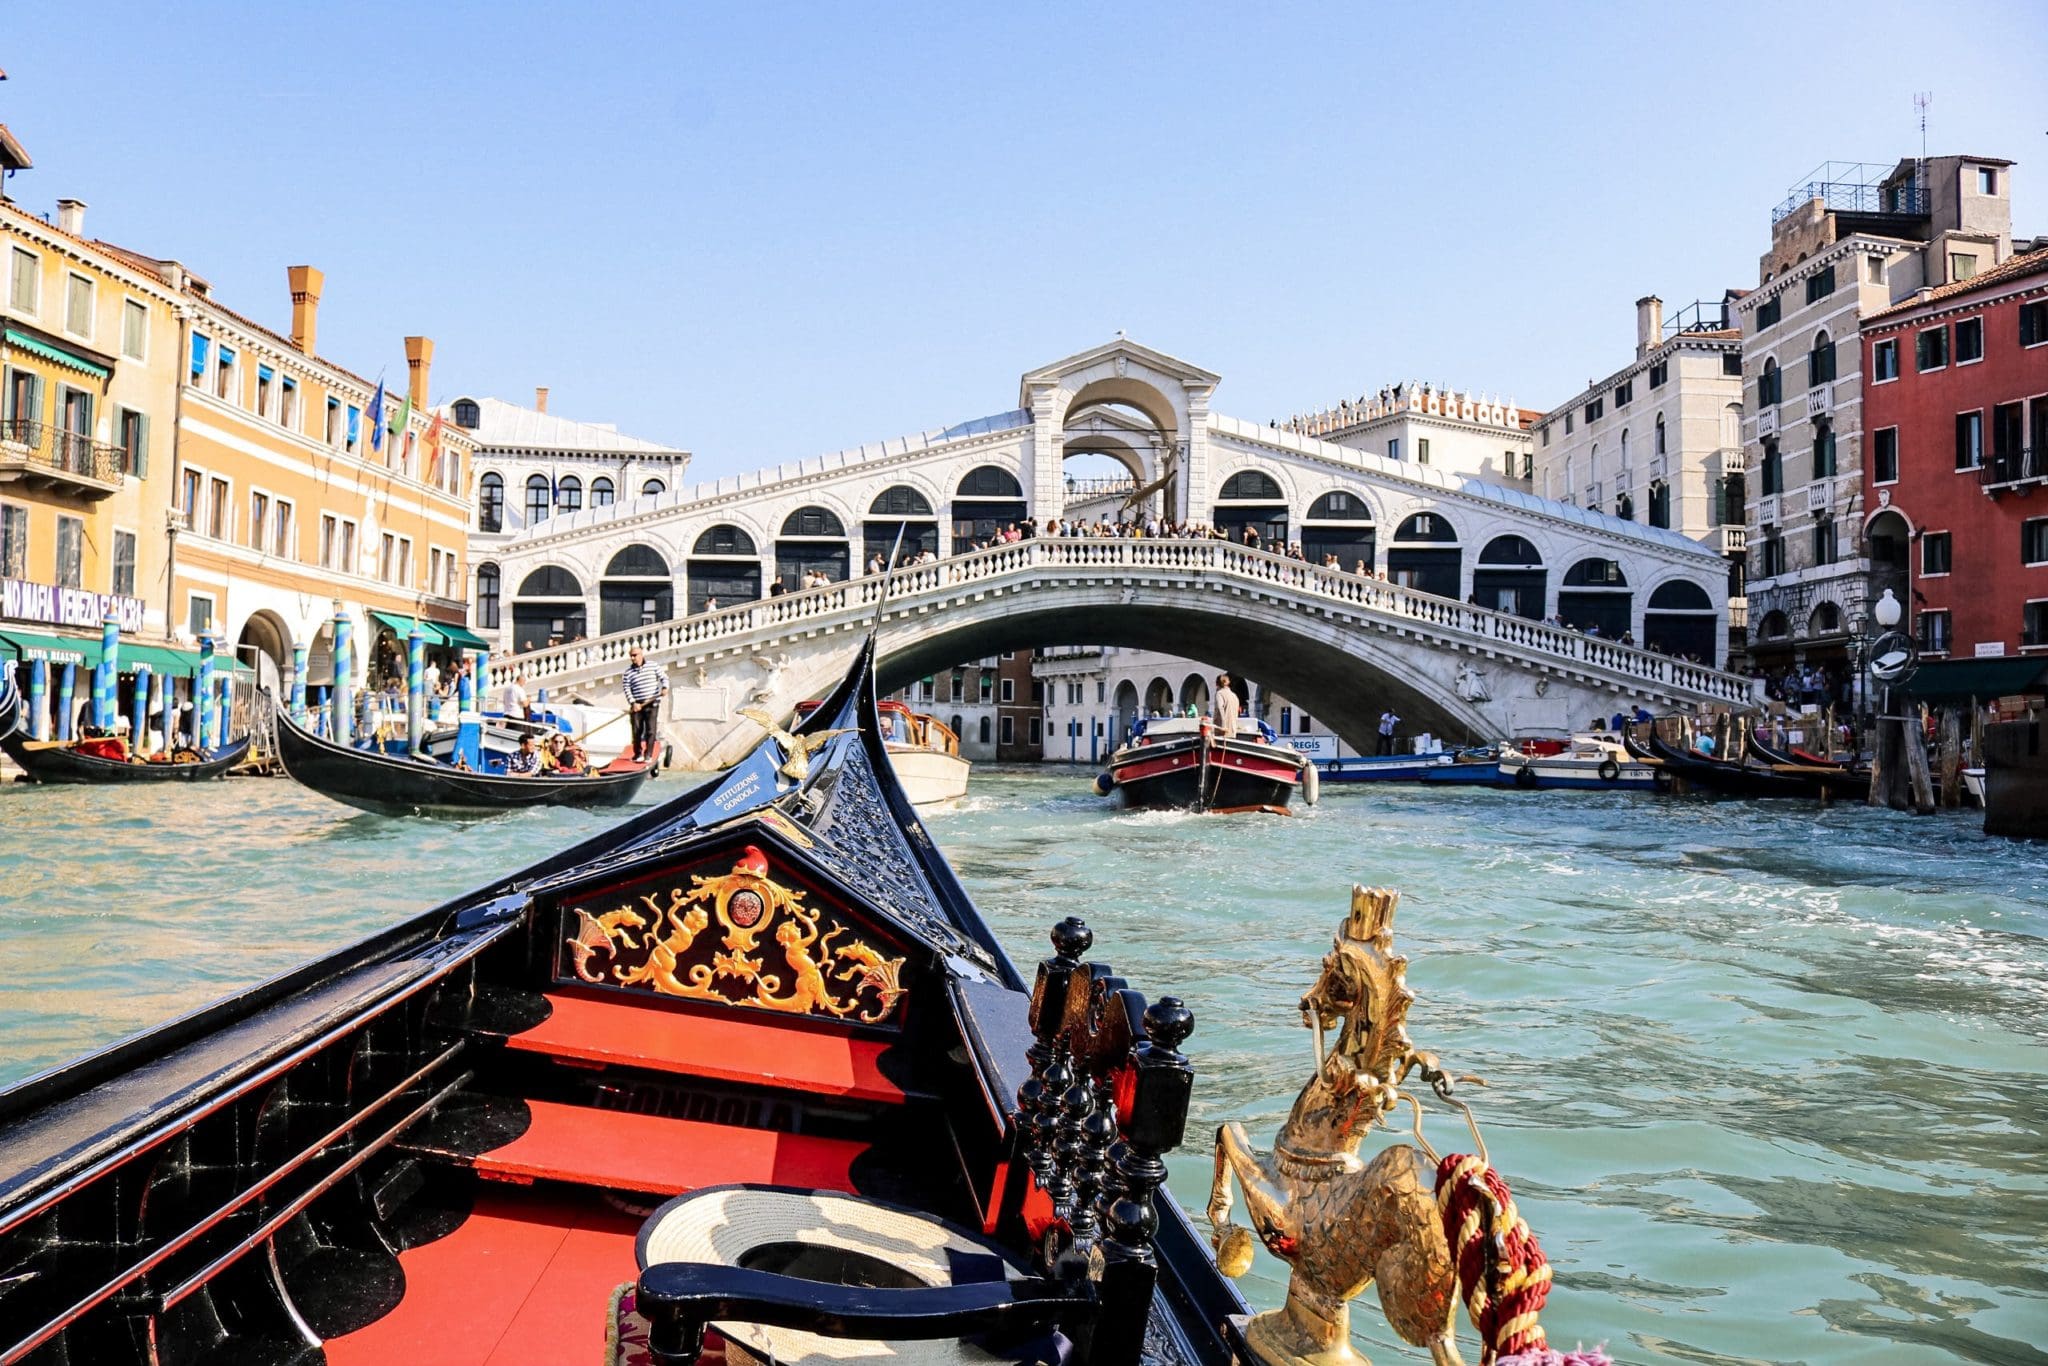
[415, 687]
[341, 725]
[202, 695]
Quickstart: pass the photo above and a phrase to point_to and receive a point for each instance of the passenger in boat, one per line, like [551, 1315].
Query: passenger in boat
[1226, 705]
[525, 761]
[1705, 744]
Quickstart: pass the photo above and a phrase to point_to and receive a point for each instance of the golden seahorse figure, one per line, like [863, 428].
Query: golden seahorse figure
[659, 971]
[607, 932]
[1344, 1223]
[807, 990]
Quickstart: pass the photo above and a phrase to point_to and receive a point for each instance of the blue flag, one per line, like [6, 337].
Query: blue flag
[377, 418]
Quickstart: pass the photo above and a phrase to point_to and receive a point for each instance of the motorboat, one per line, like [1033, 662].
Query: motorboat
[1477, 764]
[1184, 762]
[925, 753]
[1591, 759]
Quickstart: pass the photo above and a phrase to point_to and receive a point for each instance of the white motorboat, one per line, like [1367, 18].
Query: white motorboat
[1593, 759]
[926, 755]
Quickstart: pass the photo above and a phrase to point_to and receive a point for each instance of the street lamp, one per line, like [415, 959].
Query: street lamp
[1887, 610]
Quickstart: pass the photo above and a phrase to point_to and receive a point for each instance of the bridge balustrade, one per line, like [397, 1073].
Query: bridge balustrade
[1181, 556]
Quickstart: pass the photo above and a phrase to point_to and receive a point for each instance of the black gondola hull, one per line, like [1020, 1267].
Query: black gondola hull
[56, 764]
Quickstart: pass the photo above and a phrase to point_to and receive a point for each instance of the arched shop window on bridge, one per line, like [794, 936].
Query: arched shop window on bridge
[989, 500]
[1595, 594]
[812, 539]
[899, 508]
[487, 580]
[637, 590]
[548, 610]
[1425, 555]
[1680, 620]
[723, 568]
[1510, 577]
[1340, 524]
[1252, 498]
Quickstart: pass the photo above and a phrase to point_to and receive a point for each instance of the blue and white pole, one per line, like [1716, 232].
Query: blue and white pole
[415, 687]
[138, 711]
[338, 697]
[67, 692]
[39, 699]
[168, 713]
[469, 728]
[227, 708]
[299, 684]
[110, 672]
[202, 694]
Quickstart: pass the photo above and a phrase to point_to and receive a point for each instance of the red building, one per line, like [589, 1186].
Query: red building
[1955, 466]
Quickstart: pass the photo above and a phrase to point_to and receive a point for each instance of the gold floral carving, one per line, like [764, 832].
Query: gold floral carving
[823, 968]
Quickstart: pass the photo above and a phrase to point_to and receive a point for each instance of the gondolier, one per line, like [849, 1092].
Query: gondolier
[645, 685]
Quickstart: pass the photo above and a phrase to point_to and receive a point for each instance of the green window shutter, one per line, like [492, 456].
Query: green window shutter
[141, 470]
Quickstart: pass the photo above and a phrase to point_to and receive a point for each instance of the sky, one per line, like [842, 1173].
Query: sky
[762, 232]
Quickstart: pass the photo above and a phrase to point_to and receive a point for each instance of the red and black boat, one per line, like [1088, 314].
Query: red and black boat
[1186, 762]
[102, 760]
[746, 1068]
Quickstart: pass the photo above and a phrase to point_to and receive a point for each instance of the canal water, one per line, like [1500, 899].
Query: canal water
[1770, 1083]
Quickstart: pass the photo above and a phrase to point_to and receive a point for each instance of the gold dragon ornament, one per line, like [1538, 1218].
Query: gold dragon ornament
[1344, 1223]
[746, 904]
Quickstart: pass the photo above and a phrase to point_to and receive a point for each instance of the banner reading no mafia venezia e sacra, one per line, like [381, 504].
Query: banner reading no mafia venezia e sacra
[21, 600]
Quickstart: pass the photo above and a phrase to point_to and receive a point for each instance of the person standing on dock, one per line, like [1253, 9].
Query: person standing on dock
[1387, 723]
[1226, 707]
[644, 684]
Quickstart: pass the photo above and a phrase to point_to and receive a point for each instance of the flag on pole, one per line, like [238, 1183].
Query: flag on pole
[400, 416]
[377, 418]
[434, 449]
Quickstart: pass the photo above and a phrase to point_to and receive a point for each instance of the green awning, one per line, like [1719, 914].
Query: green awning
[1959, 680]
[169, 663]
[51, 351]
[28, 647]
[432, 633]
[462, 638]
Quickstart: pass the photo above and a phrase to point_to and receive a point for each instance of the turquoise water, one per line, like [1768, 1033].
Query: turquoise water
[1768, 1082]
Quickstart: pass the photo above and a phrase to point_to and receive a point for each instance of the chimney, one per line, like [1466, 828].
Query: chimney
[71, 216]
[1649, 324]
[419, 358]
[540, 399]
[306, 283]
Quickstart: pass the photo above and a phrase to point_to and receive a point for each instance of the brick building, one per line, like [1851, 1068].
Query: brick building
[1955, 402]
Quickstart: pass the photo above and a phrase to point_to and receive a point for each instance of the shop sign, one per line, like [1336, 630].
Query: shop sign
[21, 600]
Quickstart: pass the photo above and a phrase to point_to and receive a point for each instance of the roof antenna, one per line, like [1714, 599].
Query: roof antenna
[1921, 99]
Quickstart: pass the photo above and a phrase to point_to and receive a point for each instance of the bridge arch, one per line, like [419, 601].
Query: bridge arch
[1131, 438]
[1341, 523]
[1679, 620]
[812, 540]
[1595, 595]
[638, 589]
[1158, 697]
[1509, 577]
[548, 608]
[1126, 704]
[906, 505]
[1254, 498]
[724, 567]
[1427, 555]
[1194, 692]
[987, 500]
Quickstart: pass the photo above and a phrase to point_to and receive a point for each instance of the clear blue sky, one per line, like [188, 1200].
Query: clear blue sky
[763, 232]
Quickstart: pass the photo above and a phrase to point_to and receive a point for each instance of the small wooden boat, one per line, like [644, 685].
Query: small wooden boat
[925, 754]
[1771, 756]
[744, 1068]
[1180, 761]
[58, 761]
[1480, 765]
[1727, 778]
[399, 785]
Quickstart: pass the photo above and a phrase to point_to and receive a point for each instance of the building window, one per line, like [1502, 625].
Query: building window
[2034, 541]
[285, 544]
[1009, 690]
[70, 552]
[124, 564]
[265, 377]
[1731, 362]
[1529, 462]
[487, 596]
[220, 518]
[1657, 438]
[134, 330]
[199, 614]
[652, 487]
[1659, 372]
[354, 443]
[1595, 409]
[490, 502]
[259, 519]
[1660, 505]
[1884, 360]
[2034, 624]
[1934, 554]
[288, 403]
[1770, 383]
[405, 560]
[468, 415]
[2034, 323]
[1969, 340]
[1820, 362]
[1624, 392]
[1934, 633]
[1422, 450]
[539, 499]
[78, 306]
[1962, 265]
[984, 730]
[1769, 311]
[1037, 732]
[1009, 730]
[1770, 557]
[600, 492]
[1820, 284]
[224, 375]
[132, 430]
[569, 494]
[1773, 469]
[330, 530]
[1930, 349]
[1987, 180]
[1823, 451]
[13, 541]
[1884, 455]
[23, 276]
[1969, 440]
[1824, 541]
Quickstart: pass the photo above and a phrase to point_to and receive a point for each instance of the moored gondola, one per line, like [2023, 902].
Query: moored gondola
[397, 784]
[1746, 780]
[448, 1143]
[47, 761]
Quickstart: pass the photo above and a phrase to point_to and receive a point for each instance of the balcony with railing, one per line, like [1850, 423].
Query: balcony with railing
[1856, 187]
[1701, 315]
[2014, 470]
[1767, 509]
[39, 456]
[1767, 420]
[1731, 540]
[1820, 496]
[1820, 400]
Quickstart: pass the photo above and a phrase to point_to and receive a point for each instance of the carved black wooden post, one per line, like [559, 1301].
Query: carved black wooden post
[1153, 1125]
[1038, 1098]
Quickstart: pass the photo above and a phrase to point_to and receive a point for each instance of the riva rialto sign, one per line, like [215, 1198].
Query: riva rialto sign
[21, 600]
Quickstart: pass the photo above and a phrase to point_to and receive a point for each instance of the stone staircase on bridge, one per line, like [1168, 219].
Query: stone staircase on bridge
[775, 652]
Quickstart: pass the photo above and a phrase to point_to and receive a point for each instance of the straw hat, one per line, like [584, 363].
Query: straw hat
[823, 1235]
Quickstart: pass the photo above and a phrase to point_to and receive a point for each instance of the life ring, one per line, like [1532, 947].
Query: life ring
[1336, 765]
[1609, 770]
[1525, 776]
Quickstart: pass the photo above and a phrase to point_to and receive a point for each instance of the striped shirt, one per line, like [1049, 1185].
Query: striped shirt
[644, 683]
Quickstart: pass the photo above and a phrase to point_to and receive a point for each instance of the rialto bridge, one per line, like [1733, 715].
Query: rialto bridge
[685, 573]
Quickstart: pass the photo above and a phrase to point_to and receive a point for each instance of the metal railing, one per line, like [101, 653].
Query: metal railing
[1767, 420]
[1098, 488]
[2009, 469]
[1061, 555]
[1701, 315]
[54, 450]
[1854, 187]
